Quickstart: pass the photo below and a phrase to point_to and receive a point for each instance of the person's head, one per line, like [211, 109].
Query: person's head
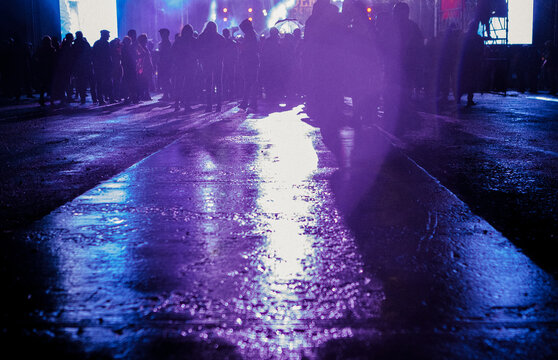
[69, 38]
[142, 40]
[79, 35]
[274, 33]
[246, 26]
[127, 41]
[46, 41]
[105, 34]
[226, 33]
[210, 27]
[297, 33]
[401, 11]
[187, 31]
[132, 34]
[165, 33]
[320, 6]
[115, 43]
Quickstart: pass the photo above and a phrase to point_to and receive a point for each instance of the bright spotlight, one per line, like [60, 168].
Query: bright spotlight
[264, 12]
[225, 10]
[369, 10]
[225, 19]
[249, 19]
[250, 10]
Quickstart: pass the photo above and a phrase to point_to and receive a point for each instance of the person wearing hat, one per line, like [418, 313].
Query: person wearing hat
[164, 64]
[102, 66]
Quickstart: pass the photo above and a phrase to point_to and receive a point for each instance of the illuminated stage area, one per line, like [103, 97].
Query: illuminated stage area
[89, 17]
[153, 14]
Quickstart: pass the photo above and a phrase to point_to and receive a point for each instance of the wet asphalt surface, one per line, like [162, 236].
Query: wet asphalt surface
[141, 233]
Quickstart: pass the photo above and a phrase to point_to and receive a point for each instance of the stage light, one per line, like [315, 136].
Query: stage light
[83, 16]
[520, 21]
[250, 10]
[225, 10]
[369, 10]
[225, 19]
[249, 19]
[213, 11]
[264, 12]
[279, 11]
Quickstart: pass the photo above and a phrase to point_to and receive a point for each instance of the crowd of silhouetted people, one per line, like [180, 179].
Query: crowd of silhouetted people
[381, 61]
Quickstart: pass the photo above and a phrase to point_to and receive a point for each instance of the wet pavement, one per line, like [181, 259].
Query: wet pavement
[250, 237]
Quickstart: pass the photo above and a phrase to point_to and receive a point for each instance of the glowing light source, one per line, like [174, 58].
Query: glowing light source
[250, 10]
[279, 12]
[264, 12]
[225, 10]
[225, 19]
[213, 11]
[520, 18]
[249, 19]
[369, 10]
[83, 15]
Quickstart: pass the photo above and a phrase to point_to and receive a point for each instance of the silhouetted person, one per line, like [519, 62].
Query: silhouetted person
[249, 62]
[211, 53]
[297, 75]
[18, 66]
[185, 62]
[229, 64]
[116, 71]
[83, 70]
[64, 67]
[405, 50]
[102, 66]
[323, 63]
[272, 65]
[133, 54]
[533, 66]
[164, 64]
[145, 68]
[471, 62]
[447, 63]
[360, 60]
[128, 71]
[550, 66]
[45, 64]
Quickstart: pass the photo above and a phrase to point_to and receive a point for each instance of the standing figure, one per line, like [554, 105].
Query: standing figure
[405, 50]
[64, 67]
[102, 66]
[471, 61]
[249, 62]
[323, 37]
[272, 69]
[128, 61]
[211, 52]
[164, 64]
[550, 66]
[82, 67]
[185, 62]
[229, 65]
[45, 63]
[116, 72]
[144, 68]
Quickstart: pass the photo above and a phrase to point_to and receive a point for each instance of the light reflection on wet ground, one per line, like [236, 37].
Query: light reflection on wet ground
[245, 236]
